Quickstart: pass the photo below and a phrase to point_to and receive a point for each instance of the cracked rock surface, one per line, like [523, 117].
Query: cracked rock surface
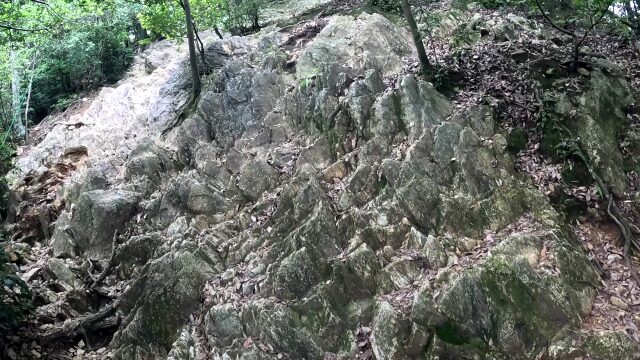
[318, 211]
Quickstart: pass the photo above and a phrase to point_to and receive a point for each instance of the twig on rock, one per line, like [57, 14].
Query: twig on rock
[107, 268]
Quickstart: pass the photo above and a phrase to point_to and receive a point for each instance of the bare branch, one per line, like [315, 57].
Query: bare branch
[594, 24]
[10, 27]
[553, 24]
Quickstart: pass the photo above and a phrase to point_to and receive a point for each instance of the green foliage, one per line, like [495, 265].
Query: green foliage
[83, 59]
[242, 16]
[63, 47]
[583, 15]
[388, 6]
[7, 152]
[494, 4]
[167, 19]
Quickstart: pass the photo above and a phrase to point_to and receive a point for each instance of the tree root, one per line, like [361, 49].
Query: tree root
[626, 234]
[107, 268]
[615, 214]
[86, 324]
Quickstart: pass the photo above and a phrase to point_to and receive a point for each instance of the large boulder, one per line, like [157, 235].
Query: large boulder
[96, 216]
[366, 42]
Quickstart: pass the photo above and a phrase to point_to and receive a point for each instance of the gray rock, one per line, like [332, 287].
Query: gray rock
[280, 326]
[342, 39]
[223, 325]
[62, 242]
[422, 107]
[296, 275]
[255, 178]
[136, 252]
[390, 331]
[96, 216]
[61, 271]
[319, 155]
[184, 347]
[507, 302]
[431, 248]
[402, 272]
[159, 303]
[191, 193]
[611, 345]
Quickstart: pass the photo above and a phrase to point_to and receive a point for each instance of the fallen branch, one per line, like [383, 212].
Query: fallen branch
[107, 268]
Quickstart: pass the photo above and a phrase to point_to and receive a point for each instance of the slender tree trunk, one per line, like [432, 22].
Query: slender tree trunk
[193, 57]
[417, 39]
[200, 46]
[632, 13]
[26, 105]
[215, 28]
[16, 109]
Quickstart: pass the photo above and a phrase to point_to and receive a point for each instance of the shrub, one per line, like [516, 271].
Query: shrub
[388, 6]
[85, 58]
[241, 16]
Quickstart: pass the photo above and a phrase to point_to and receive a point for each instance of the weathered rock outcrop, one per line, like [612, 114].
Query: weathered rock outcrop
[415, 188]
[294, 207]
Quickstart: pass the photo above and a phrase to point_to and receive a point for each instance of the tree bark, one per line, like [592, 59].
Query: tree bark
[26, 105]
[417, 39]
[16, 109]
[215, 28]
[193, 57]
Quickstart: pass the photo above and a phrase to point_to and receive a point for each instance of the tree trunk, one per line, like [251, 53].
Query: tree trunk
[26, 105]
[417, 39]
[215, 28]
[632, 13]
[193, 57]
[200, 46]
[16, 109]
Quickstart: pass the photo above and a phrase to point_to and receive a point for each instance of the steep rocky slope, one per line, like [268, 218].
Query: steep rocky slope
[320, 202]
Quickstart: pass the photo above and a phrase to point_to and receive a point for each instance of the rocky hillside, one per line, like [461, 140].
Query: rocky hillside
[322, 201]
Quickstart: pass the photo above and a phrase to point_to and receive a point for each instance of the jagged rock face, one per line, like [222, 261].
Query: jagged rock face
[596, 117]
[302, 205]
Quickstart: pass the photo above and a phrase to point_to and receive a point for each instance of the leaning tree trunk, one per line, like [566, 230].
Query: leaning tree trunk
[417, 39]
[193, 58]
